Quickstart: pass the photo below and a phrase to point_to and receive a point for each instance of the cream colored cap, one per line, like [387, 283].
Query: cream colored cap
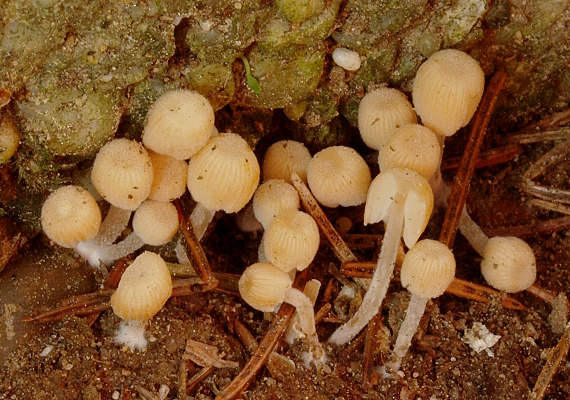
[380, 113]
[272, 198]
[9, 140]
[418, 201]
[170, 177]
[144, 288]
[155, 222]
[414, 147]
[179, 124]
[284, 157]
[263, 286]
[447, 90]
[338, 175]
[291, 241]
[122, 173]
[428, 269]
[70, 215]
[508, 264]
[224, 174]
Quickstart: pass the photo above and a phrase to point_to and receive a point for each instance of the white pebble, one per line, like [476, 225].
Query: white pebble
[347, 59]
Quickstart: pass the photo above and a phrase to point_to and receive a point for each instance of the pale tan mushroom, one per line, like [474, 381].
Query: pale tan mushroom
[179, 124]
[155, 222]
[170, 177]
[272, 198]
[9, 140]
[284, 157]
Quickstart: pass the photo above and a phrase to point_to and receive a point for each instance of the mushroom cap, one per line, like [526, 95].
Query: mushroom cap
[155, 222]
[9, 140]
[143, 289]
[179, 124]
[347, 59]
[418, 201]
[284, 157]
[170, 177]
[122, 173]
[263, 286]
[380, 113]
[291, 241]
[272, 198]
[428, 269]
[414, 147]
[70, 215]
[224, 174]
[338, 175]
[447, 90]
[508, 264]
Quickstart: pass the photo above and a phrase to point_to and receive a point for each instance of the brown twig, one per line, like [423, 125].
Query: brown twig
[554, 358]
[199, 377]
[465, 170]
[547, 227]
[260, 356]
[369, 349]
[489, 158]
[192, 246]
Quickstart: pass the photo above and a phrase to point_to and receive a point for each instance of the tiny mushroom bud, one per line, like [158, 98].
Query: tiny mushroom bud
[338, 175]
[122, 173]
[414, 147]
[284, 157]
[291, 240]
[447, 90]
[9, 140]
[155, 222]
[179, 124]
[144, 288]
[170, 177]
[427, 271]
[223, 175]
[272, 198]
[508, 264]
[347, 59]
[380, 113]
[264, 286]
[404, 200]
[70, 215]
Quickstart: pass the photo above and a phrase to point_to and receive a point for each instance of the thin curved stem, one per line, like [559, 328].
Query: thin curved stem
[200, 219]
[382, 276]
[114, 223]
[472, 232]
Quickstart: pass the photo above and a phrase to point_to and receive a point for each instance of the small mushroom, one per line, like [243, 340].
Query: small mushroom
[347, 59]
[404, 200]
[170, 177]
[179, 124]
[380, 113]
[264, 286]
[338, 175]
[447, 90]
[223, 175]
[272, 198]
[144, 288]
[9, 140]
[428, 269]
[284, 157]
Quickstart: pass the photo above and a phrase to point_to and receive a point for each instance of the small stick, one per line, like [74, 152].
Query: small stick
[489, 158]
[458, 287]
[260, 356]
[192, 245]
[369, 346]
[310, 204]
[557, 119]
[199, 377]
[465, 170]
[547, 227]
[541, 293]
[554, 358]
[322, 313]
[182, 375]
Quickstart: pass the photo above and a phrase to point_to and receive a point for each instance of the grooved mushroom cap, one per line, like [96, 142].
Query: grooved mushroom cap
[418, 201]
[170, 176]
[447, 90]
[179, 124]
[155, 222]
[144, 288]
[122, 173]
[414, 147]
[224, 174]
[70, 215]
[284, 157]
[508, 264]
[338, 175]
[272, 198]
[263, 286]
[380, 113]
[428, 269]
[9, 140]
[291, 241]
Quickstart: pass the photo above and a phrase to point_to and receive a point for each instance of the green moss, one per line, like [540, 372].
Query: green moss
[215, 81]
[298, 11]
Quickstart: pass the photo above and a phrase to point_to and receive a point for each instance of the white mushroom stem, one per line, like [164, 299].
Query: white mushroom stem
[473, 233]
[304, 308]
[107, 254]
[408, 329]
[200, 220]
[381, 279]
[114, 223]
